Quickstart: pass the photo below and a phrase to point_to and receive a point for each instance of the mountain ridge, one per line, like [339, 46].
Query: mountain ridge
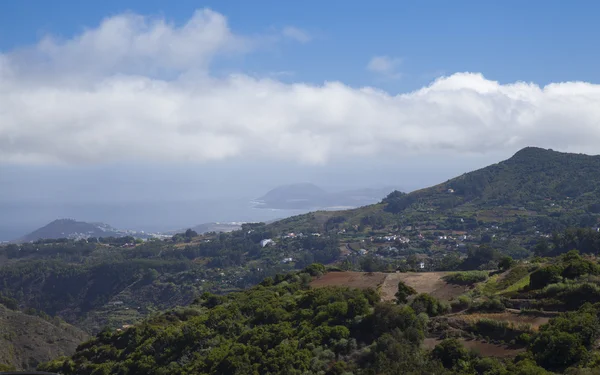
[548, 185]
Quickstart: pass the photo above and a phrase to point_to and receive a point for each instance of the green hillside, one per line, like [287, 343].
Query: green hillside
[530, 177]
[283, 326]
[536, 187]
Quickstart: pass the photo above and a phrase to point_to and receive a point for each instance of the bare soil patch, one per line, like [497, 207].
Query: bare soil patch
[422, 282]
[484, 349]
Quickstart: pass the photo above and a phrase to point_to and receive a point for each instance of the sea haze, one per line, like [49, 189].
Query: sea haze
[20, 218]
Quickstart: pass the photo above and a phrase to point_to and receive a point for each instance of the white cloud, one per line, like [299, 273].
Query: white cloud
[133, 44]
[385, 65]
[116, 108]
[296, 34]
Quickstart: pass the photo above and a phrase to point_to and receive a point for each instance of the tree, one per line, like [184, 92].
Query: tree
[450, 352]
[545, 276]
[577, 268]
[542, 248]
[315, 269]
[428, 304]
[557, 350]
[404, 291]
[190, 233]
[506, 263]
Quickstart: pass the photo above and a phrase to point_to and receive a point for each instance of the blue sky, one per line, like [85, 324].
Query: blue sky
[539, 41]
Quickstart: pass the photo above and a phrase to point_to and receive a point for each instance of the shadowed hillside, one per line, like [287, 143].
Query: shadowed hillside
[27, 340]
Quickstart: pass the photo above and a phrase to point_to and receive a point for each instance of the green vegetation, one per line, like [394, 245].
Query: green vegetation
[284, 328]
[567, 339]
[466, 278]
[517, 285]
[404, 291]
[424, 303]
[500, 330]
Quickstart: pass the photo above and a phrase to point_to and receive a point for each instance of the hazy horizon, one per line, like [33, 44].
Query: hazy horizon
[159, 198]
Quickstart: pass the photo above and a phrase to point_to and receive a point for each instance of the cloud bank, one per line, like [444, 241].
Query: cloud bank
[136, 89]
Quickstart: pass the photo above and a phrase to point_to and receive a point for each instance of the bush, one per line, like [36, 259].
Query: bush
[450, 352]
[579, 267]
[501, 330]
[545, 276]
[429, 304]
[462, 303]
[557, 350]
[506, 263]
[466, 278]
[524, 338]
[404, 291]
[490, 305]
[315, 269]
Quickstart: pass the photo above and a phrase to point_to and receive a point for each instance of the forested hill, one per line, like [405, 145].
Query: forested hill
[531, 176]
[548, 189]
[69, 228]
[280, 327]
[285, 326]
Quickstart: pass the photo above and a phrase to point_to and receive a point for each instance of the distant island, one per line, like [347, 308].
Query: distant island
[77, 230]
[73, 229]
[310, 196]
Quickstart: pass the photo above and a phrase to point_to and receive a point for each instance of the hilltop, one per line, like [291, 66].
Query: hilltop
[531, 176]
[27, 340]
[72, 229]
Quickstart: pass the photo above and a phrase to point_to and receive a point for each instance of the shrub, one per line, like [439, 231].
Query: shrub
[315, 269]
[450, 352]
[506, 263]
[557, 350]
[462, 303]
[490, 305]
[545, 276]
[429, 304]
[579, 267]
[498, 329]
[466, 278]
[404, 291]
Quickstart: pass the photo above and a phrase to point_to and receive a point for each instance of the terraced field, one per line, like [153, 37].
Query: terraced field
[423, 282]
